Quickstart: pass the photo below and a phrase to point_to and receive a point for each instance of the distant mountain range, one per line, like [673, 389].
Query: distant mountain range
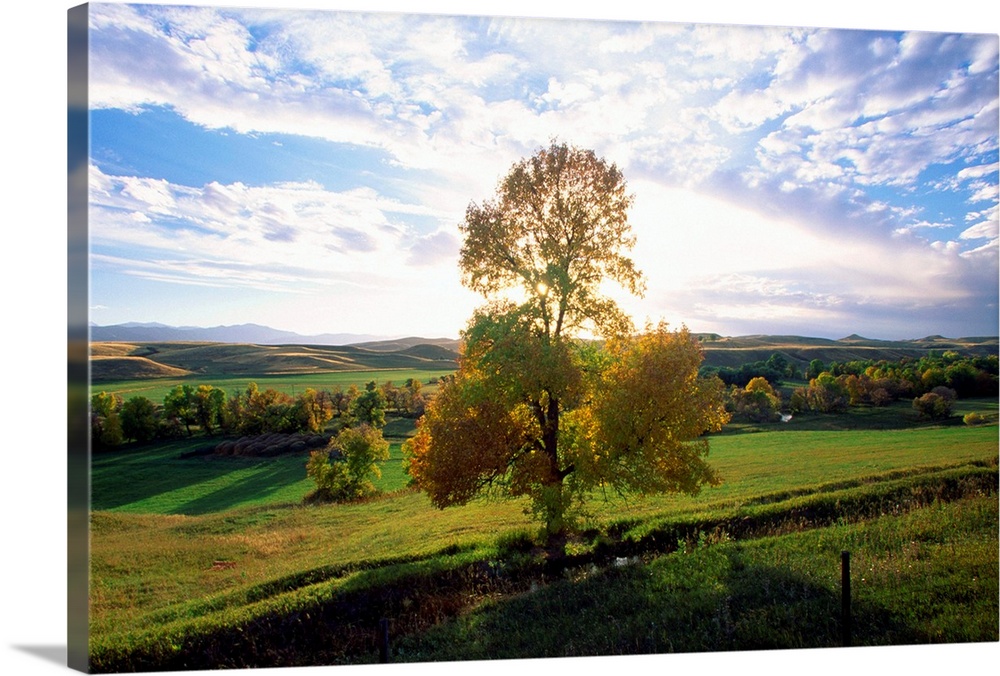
[135, 332]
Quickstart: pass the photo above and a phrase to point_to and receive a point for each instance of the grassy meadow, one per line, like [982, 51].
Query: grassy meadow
[190, 554]
[928, 575]
[289, 383]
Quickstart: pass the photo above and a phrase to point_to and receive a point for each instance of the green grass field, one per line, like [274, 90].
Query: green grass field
[184, 547]
[923, 577]
[156, 388]
[158, 480]
[191, 556]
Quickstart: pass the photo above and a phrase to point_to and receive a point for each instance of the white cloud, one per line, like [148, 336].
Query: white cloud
[301, 229]
[984, 192]
[985, 230]
[423, 88]
[797, 122]
[751, 265]
[632, 42]
[978, 171]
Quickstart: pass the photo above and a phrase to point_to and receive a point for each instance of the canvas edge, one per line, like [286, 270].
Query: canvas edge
[78, 378]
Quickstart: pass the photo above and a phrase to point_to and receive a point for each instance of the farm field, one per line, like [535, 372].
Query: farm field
[159, 481]
[193, 553]
[183, 548]
[292, 384]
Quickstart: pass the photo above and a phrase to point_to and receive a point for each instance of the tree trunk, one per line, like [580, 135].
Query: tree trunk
[555, 546]
[555, 509]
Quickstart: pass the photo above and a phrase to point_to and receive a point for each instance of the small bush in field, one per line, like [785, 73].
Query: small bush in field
[344, 470]
[973, 419]
[932, 405]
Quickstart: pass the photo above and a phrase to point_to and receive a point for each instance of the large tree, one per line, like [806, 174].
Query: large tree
[180, 405]
[139, 419]
[532, 408]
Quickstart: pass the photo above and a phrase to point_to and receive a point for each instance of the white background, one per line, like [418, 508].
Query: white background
[32, 167]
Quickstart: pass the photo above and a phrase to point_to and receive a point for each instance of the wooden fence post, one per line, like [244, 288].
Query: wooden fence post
[383, 630]
[845, 598]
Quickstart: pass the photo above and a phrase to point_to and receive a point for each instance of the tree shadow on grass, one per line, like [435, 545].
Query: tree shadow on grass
[121, 478]
[897, 416]
[202, 483]
[266, 479]
[714, 599]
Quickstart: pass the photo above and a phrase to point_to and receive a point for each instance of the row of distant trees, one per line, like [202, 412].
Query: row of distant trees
[775, 369]
[932, 382]
[252, 411]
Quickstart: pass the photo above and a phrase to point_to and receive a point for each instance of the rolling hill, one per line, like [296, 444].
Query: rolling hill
[126, 360]
[733, 351]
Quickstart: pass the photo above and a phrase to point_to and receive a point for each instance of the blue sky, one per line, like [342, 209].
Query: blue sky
[308, 169]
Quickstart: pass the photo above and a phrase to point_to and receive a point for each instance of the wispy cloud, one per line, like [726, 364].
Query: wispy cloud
[301, 224]
[833, 161]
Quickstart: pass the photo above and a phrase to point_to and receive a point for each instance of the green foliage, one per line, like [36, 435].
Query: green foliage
[774, 370]
[870, 383]
[557, 229]
[972, 419]
[933, 405]
[533, 413]
[188, 409]
[757, 402]
[255, 411]
[644, 433]
[630, 420]
[816, 367]
[289, 383]
[105, 420]
[313, 410]
[209, 403]
[179, 406]
[368, 407]
[827, 395]
[140, 420]
[346, 468]
[407, 400]
[969, 376]
[412, 400]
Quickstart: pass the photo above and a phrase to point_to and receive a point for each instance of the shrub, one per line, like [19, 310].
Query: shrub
[515, 542]
[932, 405]
[825, 394]
[973, 419]
[757, 402]
[881, 397]
[139, 419]
[344, 470]
[105, 420]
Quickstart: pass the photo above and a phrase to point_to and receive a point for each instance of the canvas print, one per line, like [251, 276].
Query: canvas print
[412, 338]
